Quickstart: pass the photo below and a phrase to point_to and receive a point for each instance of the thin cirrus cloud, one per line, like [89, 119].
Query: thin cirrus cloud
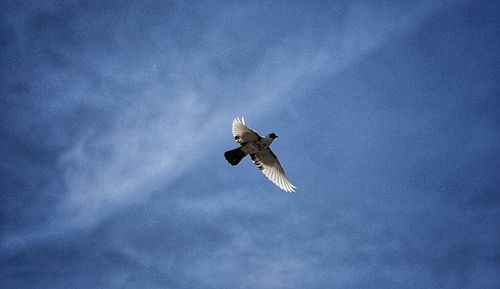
[115, 118]
[171, 94]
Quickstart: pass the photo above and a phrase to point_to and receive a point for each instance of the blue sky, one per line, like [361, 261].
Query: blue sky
[115, 117]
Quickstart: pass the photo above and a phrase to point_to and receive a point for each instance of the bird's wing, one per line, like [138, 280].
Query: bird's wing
[243, 134]
[269, 164]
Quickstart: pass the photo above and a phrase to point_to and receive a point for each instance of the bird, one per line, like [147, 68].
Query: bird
[258, 147]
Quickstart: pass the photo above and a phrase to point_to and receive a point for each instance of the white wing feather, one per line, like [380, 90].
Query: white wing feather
[243, 134]
[271, 167]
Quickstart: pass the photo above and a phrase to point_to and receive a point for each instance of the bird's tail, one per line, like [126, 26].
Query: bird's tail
[234, 156]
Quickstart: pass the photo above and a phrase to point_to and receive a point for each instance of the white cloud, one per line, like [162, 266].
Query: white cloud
[153, 142]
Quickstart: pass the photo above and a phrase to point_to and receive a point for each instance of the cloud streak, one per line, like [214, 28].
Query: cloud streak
[112, 163]
[172, 98]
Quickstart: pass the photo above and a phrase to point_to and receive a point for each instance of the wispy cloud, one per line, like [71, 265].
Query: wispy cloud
[115, 117]
[176, 100]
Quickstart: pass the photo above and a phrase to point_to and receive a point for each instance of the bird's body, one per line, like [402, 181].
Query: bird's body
[258, 148]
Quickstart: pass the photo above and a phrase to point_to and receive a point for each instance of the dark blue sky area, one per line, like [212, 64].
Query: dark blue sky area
[115, 117]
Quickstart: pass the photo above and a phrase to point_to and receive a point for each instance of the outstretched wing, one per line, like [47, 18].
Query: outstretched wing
[270, 166]
[243, 134]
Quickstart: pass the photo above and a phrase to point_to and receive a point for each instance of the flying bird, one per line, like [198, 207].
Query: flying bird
[251, 143]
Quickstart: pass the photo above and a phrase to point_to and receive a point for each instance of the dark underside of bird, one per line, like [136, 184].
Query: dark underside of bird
[234, 156]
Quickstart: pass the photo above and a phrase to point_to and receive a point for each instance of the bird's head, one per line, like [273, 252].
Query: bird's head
[272, 135]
